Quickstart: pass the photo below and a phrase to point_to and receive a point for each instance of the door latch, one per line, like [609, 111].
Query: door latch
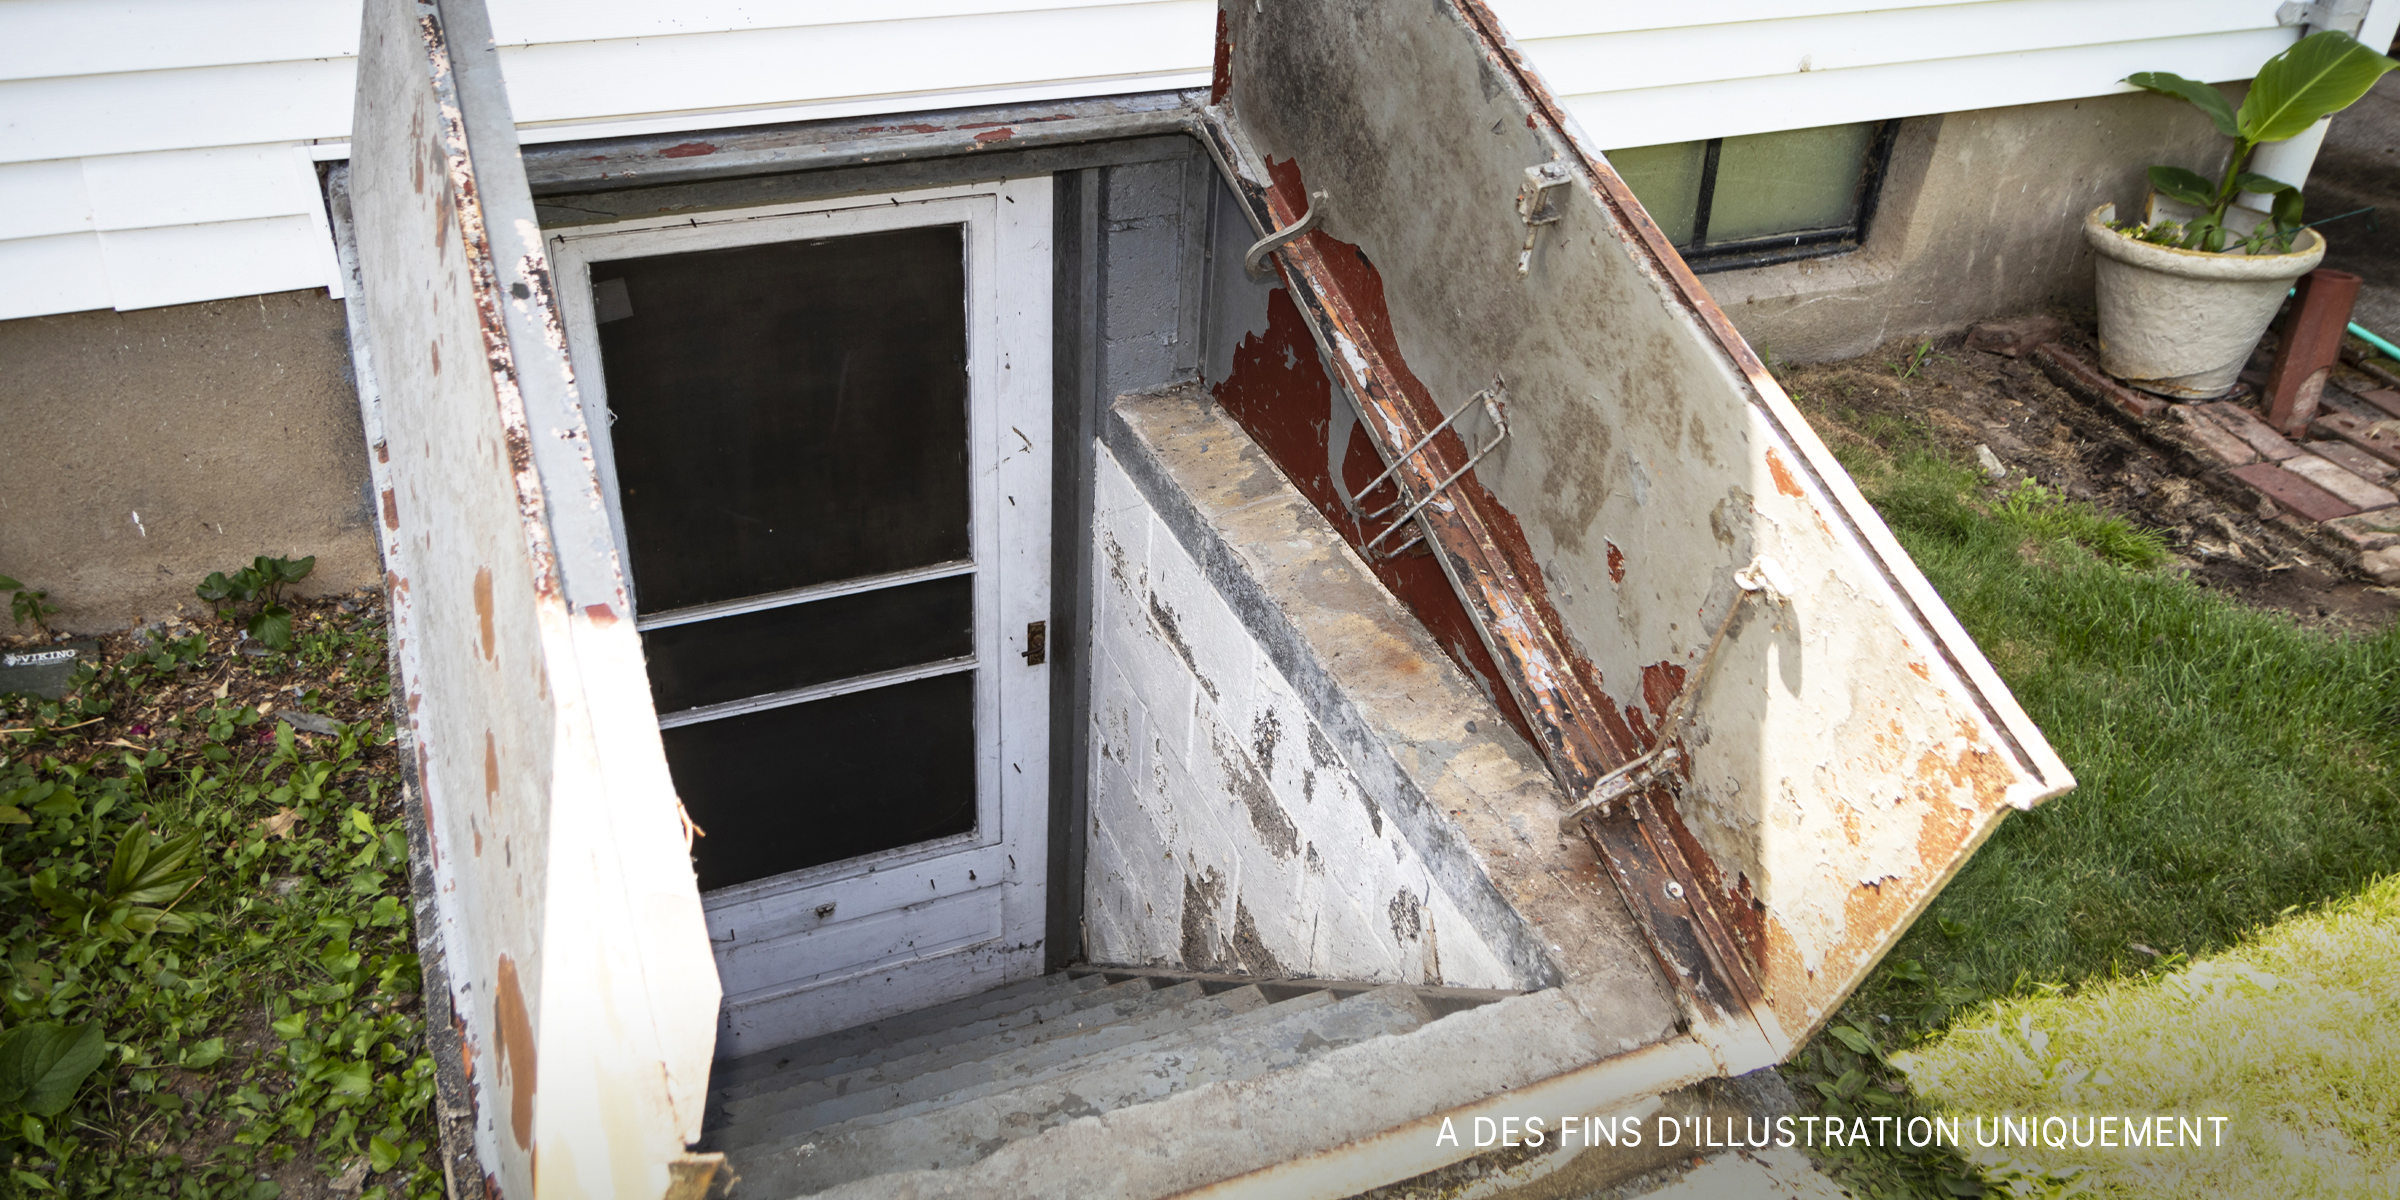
[1537, 208]
[1037, 643]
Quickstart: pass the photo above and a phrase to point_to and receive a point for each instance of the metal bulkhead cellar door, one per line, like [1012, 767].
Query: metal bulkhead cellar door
[1760, 715]
[567, 912]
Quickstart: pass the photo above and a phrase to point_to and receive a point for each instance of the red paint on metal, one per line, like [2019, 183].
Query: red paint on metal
[600, 614]
[391, 510]
[483, 609]
[1577, 728]
[991, 136]
[1783, 475]
[1616, 564]
[1279, 393]
[1661, 683]
[2311, 345]
[688, 150]
[1220, 75]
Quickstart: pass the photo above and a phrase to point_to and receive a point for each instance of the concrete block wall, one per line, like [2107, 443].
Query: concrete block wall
[1227, 832]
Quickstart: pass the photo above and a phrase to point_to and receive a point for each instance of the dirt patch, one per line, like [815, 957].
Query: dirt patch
[1942, 395]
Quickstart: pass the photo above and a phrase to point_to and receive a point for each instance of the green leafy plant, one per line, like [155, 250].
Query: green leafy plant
[2314, 78]
[26, 605]
[261, 583]
[43, 1063]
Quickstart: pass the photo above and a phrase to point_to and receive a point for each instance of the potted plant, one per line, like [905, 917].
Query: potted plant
[2186, 290]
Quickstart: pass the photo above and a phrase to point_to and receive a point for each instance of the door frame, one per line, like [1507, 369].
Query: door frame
[1007, 233]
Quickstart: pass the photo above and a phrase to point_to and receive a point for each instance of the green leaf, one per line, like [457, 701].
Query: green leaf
[2252, 181]
[2186, 186]
[2205, 98]
[10, 814]
[202, 1055]
[290, 1028]
[273, 626]
[2317, 76]
[146, 874]
[9, 585]
[382, 1155]
[42, 1064]
[1849, 1084]
[353, 1079]
[264, 1189]
[1852, 1038]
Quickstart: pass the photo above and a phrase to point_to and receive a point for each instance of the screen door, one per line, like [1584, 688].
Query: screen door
[825, 459]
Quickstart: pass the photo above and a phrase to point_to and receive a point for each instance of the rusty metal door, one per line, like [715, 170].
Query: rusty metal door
[1765, 721]
[824, 450]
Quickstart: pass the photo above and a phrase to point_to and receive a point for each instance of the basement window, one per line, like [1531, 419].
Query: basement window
[1735, 202]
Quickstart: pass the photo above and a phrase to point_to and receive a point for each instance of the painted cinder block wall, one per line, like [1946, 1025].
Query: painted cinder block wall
[1204, 756]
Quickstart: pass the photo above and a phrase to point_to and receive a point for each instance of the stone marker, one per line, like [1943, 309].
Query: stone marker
[43, 670]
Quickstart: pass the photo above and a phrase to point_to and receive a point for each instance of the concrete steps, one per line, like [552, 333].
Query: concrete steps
[947, 1086]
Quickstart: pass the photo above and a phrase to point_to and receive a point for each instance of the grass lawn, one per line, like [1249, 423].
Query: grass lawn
[2234, 768]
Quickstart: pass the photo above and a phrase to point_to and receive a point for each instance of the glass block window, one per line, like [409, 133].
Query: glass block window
[1748, 201]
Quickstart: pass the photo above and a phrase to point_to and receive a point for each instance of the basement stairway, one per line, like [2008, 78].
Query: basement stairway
[948, 1085]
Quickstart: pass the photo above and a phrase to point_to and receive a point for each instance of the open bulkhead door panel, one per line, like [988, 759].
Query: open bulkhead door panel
[569, 921]
[1781, 741]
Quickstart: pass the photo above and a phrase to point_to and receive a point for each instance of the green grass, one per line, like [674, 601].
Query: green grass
[2233, 767]
[2293, 1038]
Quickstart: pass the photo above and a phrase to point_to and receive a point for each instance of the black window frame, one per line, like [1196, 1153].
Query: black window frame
[1706, 259]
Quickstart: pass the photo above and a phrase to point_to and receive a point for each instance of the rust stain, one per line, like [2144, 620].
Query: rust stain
[1783, 475]
[1220, 74]
[383, 452]
[1661, 682]
[1922, 673]
[1278, 392]
[1616, 563]
[433, 350]
[600, 614]
[688, 150]
[491, 769]
[512, 1035]
[483, 609]
[1744, 915]
[391, 510]
[992, 136]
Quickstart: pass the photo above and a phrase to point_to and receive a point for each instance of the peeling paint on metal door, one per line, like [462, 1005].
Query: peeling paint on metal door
[567, 906]
[1847, 745]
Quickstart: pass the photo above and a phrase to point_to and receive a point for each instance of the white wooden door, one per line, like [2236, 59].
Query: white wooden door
[823, 433]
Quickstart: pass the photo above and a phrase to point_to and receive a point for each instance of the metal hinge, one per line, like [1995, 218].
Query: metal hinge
[1536, 207]
[1037, 643]
[2347, 16]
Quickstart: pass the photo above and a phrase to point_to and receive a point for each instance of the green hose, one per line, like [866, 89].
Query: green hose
[2389, 350]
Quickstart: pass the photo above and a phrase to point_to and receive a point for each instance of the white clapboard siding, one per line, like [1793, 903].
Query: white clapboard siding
[60, 273]
[531, 22]
[76, 115]
[184, 264]
[38, 199]
[1120, 44]
[1755, 66]
[49, 38]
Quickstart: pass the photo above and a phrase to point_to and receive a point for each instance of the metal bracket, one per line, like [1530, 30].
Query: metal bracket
[2347, 16]
[1764, 578]
[1254, 261]
[1493, 404]
[1536, 208]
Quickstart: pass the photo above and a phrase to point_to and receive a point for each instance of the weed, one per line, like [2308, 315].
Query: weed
[1914, 360]
[260, 583]
[222, 906]
[27, 606]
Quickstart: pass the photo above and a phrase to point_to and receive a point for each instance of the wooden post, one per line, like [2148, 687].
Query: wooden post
[2312, 343]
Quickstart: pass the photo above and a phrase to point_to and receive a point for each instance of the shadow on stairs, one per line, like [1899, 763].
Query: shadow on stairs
[945, 1086]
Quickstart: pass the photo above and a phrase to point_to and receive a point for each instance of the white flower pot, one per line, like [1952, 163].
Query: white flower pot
[2181, 323]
